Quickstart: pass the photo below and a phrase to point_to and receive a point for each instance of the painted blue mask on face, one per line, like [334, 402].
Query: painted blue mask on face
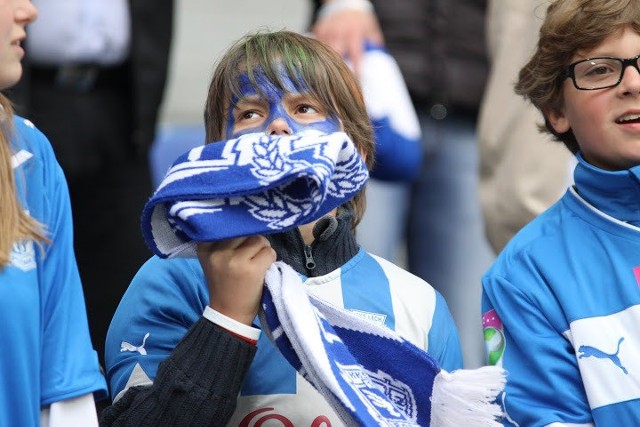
[288, 111]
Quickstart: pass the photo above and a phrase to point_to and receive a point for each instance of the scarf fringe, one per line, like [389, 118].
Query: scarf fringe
[467, 397]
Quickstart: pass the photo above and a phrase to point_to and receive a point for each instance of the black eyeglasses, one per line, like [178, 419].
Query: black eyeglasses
[600, 72]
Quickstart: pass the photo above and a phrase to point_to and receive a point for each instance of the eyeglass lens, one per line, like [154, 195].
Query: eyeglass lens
[598, 73]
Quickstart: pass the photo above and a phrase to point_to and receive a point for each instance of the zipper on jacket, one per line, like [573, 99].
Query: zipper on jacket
[308, 258]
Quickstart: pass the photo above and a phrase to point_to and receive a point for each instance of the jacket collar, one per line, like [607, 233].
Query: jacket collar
[616, 193]
[334, 245]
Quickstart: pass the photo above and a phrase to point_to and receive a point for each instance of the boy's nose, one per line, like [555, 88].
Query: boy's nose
[278, 126]
[631, 80]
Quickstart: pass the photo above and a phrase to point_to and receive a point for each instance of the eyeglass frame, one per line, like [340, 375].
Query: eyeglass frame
[633, 62]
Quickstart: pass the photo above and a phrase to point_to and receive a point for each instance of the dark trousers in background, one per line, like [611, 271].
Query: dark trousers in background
[90, 128]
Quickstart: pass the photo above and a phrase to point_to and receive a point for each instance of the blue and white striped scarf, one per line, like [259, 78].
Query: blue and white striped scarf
[366, 372]
[255, 184]
[258, 184]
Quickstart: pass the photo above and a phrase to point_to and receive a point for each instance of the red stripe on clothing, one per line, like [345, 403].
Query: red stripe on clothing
[636, 272]
[242, 337]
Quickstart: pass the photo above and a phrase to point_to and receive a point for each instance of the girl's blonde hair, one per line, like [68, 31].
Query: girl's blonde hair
[314, 68]
[570, 26]
[15, 223]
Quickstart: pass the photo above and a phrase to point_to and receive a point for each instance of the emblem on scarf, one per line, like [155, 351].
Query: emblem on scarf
[254, 184]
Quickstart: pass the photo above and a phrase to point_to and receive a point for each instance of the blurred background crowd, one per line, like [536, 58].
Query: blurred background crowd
[431, 224]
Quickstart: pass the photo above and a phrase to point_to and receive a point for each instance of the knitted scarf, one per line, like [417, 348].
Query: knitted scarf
[258, 184]
[255, 184]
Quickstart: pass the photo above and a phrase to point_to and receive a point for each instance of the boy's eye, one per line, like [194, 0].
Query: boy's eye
[600, 70]
[247, 115]
[597, 69]
[307, 109]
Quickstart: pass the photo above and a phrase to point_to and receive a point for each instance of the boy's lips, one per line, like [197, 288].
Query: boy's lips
[629, 117]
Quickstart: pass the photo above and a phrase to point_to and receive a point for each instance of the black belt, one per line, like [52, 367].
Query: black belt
[80, 77]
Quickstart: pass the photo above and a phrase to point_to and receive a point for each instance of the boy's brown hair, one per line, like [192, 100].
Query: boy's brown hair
[314, 67]
[570, 26]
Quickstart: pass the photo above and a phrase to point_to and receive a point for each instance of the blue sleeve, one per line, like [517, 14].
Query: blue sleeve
[165, 298]
[70, 366]
[543, 380]
[396, 127]
[398, 158]
[444, 343]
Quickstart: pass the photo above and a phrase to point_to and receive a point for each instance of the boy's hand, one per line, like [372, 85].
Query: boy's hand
[235, 270]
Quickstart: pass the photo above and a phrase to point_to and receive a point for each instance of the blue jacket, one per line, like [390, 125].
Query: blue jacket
[561, 307]
[167, 296]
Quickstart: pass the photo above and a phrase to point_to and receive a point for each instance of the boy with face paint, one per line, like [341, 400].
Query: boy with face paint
[278, 83]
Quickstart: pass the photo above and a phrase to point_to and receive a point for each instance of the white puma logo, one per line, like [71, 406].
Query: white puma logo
[125, 346]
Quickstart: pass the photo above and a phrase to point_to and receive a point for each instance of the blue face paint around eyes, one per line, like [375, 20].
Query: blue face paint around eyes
[277, 109]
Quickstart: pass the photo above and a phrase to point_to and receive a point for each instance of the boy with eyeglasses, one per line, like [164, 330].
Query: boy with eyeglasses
[561, 304]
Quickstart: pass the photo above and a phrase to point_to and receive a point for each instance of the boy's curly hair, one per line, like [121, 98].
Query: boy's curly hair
[570, 26]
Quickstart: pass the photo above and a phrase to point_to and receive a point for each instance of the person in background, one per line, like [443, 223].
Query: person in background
[279, 83]
[95, 73]
[514, 189]
[48, 367]
[561, 303]
[440, 48]
[396, 132]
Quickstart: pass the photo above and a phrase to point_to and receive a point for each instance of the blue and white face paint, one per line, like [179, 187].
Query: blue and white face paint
[277, 111]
